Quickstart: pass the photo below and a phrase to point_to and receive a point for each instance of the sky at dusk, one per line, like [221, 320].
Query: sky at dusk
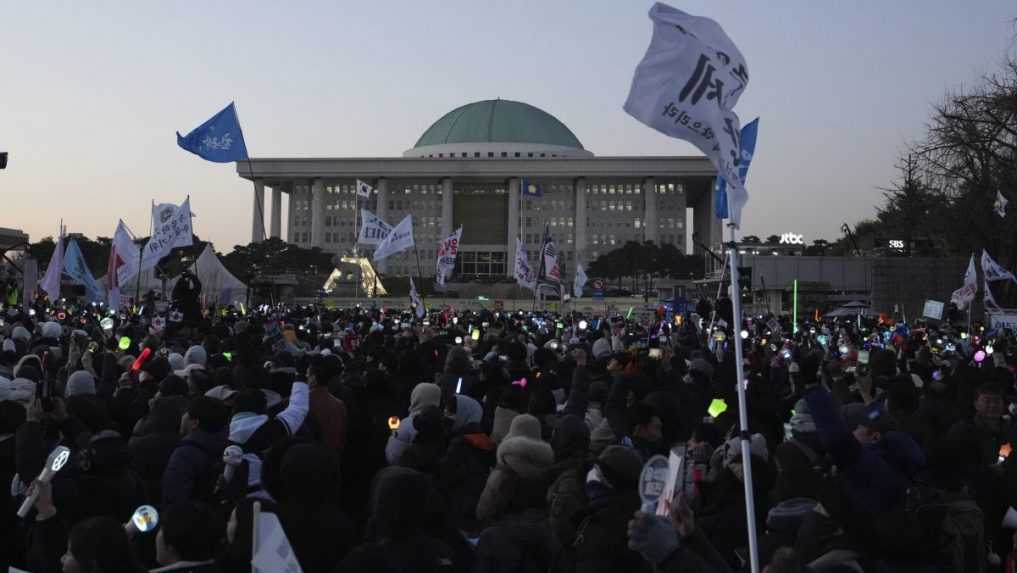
[91, 93]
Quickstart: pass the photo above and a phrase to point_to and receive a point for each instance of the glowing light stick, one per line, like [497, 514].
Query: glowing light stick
[55, 462]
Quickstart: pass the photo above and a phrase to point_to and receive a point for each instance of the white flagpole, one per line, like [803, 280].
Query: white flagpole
[743, 416]
[356, 237]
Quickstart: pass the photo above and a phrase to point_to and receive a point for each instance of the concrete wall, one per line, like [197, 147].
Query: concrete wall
[911, 281]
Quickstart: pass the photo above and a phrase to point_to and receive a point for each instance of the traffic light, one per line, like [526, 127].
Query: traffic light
[745, 283]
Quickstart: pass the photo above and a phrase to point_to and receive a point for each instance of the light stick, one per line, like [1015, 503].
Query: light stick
[55, 462]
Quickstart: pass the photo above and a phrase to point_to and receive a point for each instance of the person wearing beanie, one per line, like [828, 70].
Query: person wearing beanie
[21, 334]
[463, 471]
[424, 394]
[177, 361]
[80, 383]
[601, 348]
[612, 489]
[522, 459]
[196, 355]
[519, 537]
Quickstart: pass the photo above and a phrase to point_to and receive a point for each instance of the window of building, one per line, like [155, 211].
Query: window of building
[476, 154]
[504, 154]
[490, 154]
[529, 155]
[481, 264]
[517, 154]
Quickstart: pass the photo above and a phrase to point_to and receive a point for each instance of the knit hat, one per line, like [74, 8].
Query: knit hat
[621, 466]
[601, 348]
[801, 421]
[872, 416]
[424, 394]
[221, 392]
[80, 383]
[21, 390]
[21, 333]
[173, 386]
[196, 355]
[177, 361]
[757, 447]
[468, 411]
[158, 368]
[9, 345]
[524, 426]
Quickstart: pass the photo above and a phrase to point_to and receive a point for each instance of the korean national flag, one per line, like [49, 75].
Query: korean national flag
[363, 189]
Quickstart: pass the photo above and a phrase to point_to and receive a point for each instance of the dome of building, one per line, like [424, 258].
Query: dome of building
[498, 129]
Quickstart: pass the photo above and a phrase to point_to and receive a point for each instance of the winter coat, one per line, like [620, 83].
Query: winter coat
[601, 539]
[418, 553]
[463, 473]
[517, 543]
[566, 497]
[154, 439]
[193, 468]
[329, 413]
[522, 461]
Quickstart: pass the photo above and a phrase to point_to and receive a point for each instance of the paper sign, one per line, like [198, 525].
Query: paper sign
[675, 460]
[652, 481]
[933, 309]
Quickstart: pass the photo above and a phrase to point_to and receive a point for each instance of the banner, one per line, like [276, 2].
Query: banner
[748, 147]
[121, 265]
[76, 268]
[963, 296]
[272, 551]
[219, 139]
[447, 251]
[579, 281]
[372, 229]
[400, 239]
[551, 271]
[172, 229]
[687, 85]
[163, 212]
[992, 270]
[523, 271]
[415, 300]
[51, 280]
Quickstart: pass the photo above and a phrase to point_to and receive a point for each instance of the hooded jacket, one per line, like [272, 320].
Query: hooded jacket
[522, 462]
[424, 394]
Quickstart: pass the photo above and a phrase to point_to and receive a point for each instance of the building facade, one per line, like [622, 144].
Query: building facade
[471, 168]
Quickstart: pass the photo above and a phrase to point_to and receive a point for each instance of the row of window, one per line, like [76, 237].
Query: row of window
[493, 154]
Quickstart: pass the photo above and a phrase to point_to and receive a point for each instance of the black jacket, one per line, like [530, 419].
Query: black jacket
[193, 468]
[518, 543]
[601, 541]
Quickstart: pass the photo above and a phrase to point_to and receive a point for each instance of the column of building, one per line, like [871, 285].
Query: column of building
[258, 215]
[318, 214]
[651, 224]
[580, 220]
[381, 210]
[291, 218]
[513, 226]
[276, 221]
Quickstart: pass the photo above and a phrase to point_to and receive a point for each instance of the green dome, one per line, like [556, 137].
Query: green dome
[498, 121]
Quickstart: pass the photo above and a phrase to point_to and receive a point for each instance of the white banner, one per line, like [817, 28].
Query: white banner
[165, 211]
[447, 251]
[372, 229]
[579, 281]
[54, 270]
[687, 85]
[415, 300]
[524, 272]
[273, 551]
[400, 239]
[992, 270]
[963, 296]
[124, 256]
[172, 229]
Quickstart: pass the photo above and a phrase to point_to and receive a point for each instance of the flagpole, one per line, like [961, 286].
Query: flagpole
[540, 266]
[356, 237]
[743, 417]
[250, 171]
[420, 274]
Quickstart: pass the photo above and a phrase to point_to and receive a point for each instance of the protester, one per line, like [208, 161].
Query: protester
[384, 444]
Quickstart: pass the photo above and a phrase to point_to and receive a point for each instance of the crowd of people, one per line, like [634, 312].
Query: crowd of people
[495, 441]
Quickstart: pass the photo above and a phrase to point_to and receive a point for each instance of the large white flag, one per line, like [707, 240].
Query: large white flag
[372, 229]
[448, 248]
[51, 281]
[121, 265]
[579, 281]
[400, 239]
[524, 272]
[415, 300]
[992, 270]
[686, 87]
[165, 212]
[172, 229]
[963, 296]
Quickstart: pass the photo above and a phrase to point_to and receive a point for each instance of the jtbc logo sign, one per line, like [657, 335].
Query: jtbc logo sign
[792, 239]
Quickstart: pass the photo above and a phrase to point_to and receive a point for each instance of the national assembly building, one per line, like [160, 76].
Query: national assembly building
[467, 169]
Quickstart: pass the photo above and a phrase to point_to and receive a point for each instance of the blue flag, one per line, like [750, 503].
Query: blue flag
[748, 148]
[219, 139]
[76, 268]
[530, 189]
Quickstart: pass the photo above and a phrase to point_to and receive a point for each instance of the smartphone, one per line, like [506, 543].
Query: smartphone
[656, 353]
